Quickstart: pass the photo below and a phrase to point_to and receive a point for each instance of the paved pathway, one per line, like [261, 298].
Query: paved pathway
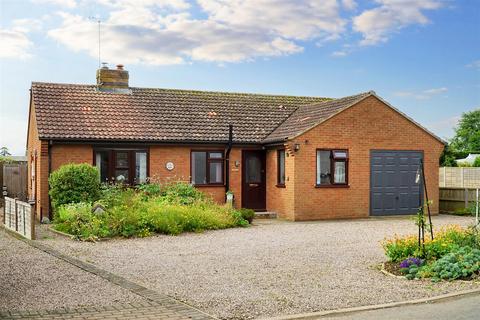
[158, 306]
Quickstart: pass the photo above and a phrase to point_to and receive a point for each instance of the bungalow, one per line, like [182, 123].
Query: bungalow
[304, 158]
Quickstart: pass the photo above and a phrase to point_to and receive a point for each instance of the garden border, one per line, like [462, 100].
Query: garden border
[385, 272]
[72, 237]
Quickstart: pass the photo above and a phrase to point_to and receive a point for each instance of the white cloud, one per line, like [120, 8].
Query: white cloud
[301, 20]
[164, 32]
[349, 4]
[378, 23]
[435, 91]
[27, 25]
[339, 53]
[15, 44]
[475, 64]
[61, 3]
[422, 95]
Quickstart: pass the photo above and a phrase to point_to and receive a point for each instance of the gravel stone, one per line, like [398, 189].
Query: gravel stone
[31, 279]
[271, 268]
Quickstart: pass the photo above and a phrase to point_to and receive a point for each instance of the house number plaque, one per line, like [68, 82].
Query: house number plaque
[169, 166]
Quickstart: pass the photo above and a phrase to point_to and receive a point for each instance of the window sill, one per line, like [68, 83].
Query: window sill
[280, 186]
[209, 185]
[332, 186]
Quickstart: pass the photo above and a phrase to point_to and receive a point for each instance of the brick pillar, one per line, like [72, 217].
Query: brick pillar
[42, 205]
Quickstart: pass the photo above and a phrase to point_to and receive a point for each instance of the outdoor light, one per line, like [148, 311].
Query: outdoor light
[417, 176]
[296, 147]
[237, 163]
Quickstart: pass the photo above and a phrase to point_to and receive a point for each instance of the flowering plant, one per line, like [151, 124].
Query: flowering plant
[411, 261]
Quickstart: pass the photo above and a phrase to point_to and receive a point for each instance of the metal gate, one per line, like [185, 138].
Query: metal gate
[393, 189]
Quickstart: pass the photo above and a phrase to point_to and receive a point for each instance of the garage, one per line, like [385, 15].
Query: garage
[393, 190]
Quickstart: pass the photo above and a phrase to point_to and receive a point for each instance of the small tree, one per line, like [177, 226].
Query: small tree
[4, 152]
[467, 133]
[73, 183]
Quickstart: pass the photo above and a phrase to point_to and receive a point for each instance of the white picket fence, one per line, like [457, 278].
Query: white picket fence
[18, 216]
[459, 177]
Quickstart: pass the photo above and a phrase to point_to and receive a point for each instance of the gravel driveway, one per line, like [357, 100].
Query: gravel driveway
[31, 279]
[269, 269]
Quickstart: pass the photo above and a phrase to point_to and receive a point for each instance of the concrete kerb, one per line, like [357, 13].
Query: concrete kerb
[338, 312]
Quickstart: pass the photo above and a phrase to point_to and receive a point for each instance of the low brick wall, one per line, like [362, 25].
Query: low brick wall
[18, 216]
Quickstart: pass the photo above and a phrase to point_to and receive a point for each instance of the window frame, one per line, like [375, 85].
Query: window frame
[333, 184]
[281, 184]
[207, 169]
[112, 165]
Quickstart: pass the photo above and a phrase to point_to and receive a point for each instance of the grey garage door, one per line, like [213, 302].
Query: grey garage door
[393, 190]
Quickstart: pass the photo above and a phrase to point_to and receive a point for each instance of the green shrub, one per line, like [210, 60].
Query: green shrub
[400, 248]
[247, 214]
[112, 195]
[74, 183]
[461, 263]
[468, 211]
[131, 212]
[446, 240]
[78, 220]
[149, 190]
[181, 193]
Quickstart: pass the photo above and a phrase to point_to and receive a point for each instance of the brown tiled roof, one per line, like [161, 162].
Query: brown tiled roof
[309, 116]
[81, 112]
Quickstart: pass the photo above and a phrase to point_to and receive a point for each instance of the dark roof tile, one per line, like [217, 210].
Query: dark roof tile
[68, 111]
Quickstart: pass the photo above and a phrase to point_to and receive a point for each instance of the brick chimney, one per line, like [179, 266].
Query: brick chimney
[111, 79]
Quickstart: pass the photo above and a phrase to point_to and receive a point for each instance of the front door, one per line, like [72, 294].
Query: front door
[253, 180]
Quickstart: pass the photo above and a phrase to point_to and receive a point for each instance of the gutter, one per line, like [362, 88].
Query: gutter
[227, 160]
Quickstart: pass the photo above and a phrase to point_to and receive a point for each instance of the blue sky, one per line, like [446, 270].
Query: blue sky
[421, 56]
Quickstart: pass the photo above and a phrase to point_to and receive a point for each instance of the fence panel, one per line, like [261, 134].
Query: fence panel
[18, 216]
[453, 199]
[459, 177]
[15, 177]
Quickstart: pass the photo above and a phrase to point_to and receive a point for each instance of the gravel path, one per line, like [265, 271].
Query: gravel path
[269, 269]
[31, 279]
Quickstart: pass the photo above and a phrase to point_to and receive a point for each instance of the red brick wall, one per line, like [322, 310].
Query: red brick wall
[68, 153]
[180, 156]
[37, 154]
[280, 199]
[366, 126]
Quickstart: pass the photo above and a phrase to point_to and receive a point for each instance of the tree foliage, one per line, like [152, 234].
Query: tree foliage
[4, 152]
[467, 133]
[476, 163]
[465, 141]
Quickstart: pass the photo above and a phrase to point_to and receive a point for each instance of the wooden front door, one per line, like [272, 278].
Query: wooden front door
[253, 180]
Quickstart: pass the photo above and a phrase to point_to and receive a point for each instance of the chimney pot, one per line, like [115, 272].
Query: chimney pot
[112, 79]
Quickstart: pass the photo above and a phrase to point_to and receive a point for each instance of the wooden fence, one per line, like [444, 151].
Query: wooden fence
[459, 177]
[18, 216]
[14, 180]
[453, 199]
